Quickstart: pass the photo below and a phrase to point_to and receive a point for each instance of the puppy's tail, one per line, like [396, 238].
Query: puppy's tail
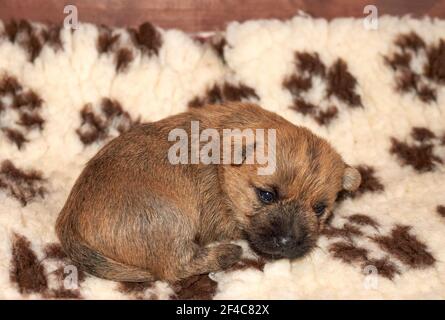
[96, 264]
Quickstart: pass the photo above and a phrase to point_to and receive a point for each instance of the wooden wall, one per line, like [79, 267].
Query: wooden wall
[206, 15]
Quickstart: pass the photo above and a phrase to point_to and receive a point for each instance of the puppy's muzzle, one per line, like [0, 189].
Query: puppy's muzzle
[282, 235]
[290, 246]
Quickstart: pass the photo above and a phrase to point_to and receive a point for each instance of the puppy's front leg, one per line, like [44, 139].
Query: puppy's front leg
[210, 258]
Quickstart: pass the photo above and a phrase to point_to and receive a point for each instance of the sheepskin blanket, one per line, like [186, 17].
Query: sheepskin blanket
[377, 95]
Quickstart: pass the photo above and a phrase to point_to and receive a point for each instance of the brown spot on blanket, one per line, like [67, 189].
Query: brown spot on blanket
[106, 40]
[22, 185]
[9, 84]
[338, 80]
[421, 158]
[385, 268]
[347, 231]
[135, 288]
[98, 125]
[33, 38]
[342, 84]
[310, 63]
[348, 252]
[406, 247]
[423, 83]
[147, 38]
[22, 103]
[410, 41]
[218, 43]
[15, 136]
[54, 251]
[124, 57]
[227, 92]
[363, 220]
[435, 68]
[296, 84]
[441, 210]
[422, 134]
[26, 270]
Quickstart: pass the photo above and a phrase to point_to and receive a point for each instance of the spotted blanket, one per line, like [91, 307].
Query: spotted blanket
[377, 95]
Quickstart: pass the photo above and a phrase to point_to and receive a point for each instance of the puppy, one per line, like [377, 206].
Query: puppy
[132, 215]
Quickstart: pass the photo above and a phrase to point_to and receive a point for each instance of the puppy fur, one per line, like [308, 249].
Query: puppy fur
[133, 216]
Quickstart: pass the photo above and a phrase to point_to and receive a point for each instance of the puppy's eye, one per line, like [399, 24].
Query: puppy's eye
[319, 208]
[265, 196]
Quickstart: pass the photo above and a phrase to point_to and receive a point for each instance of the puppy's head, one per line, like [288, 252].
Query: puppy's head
[282, 213]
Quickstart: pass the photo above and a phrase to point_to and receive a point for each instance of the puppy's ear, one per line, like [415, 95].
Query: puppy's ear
[351, 179]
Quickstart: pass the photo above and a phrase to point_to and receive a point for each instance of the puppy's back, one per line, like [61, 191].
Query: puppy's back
[122, 187]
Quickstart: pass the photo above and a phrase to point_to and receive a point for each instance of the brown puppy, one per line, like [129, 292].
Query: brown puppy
[132, 215]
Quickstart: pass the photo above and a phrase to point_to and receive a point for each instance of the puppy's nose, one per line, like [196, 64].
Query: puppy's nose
[283, 241]
[291, 246]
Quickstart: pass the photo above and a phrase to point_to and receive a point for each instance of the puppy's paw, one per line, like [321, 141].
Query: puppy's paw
[228, 255]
